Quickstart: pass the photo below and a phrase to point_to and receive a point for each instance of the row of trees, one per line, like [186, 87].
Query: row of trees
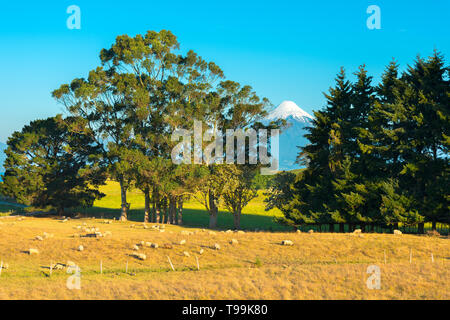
[378, 154]
[119, 126]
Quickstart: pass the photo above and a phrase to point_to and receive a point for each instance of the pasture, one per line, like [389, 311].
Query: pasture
[316, 266]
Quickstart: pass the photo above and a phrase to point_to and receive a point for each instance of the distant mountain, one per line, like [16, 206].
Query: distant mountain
[292, 136]
[2, 156]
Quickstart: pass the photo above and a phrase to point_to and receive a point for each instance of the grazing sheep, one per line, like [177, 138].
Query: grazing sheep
[397, 232]
[186, 254]
[299, 231]
[142, 243]
[135, 247]
[182, 242]
[201, 251]
[33, 251]
[140, 256]
[311, 231]
[233, 241]
[39, 238]
[148, 244]
[229, 231]
[47, 235]
[216, 246]
[357, 231]
[154, 245]
[70, 264]
[80, 248]
[162, 230]
[57, 266]
[5, 266]
[287, 243]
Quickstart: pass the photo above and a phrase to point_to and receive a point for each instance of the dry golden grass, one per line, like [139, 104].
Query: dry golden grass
[317, 266]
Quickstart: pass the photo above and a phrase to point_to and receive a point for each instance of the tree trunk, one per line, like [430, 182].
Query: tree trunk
[421, 227]
[157, 207]
[351, 227]
[433, 225]
[180, 211]
[331, 227]
[153, 211]
[172, 210]
[125, 204]
[237, 219]
[363, 228]
[341, 227]
[60, 211]
[213, 211]
[396, 225]
[147, 205]
[213, 220]
[372, 227]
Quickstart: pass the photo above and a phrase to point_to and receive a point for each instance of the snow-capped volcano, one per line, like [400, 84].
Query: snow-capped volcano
[289, 109]
[292, 136]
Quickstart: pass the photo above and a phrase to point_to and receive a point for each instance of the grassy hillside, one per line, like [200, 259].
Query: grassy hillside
[254, 216]
[317, 266]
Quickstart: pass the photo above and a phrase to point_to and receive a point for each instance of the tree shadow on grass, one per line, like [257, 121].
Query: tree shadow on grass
[195, 218]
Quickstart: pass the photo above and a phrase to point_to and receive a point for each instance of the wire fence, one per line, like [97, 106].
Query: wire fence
[441, 228]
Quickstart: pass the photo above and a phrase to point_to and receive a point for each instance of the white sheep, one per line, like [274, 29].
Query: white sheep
[70, 264]
[140, 256]
[216, 246]
[397, 232]
[233, 241]
[33, 251]
[80, 248]
[287, 243]
[182, 242]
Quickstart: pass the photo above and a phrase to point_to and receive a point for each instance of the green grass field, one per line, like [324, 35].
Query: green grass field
[194, 214]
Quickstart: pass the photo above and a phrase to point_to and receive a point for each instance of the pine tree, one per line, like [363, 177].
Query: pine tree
[48, 165]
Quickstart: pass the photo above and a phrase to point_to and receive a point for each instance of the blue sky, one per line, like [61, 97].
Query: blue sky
[286, 50]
